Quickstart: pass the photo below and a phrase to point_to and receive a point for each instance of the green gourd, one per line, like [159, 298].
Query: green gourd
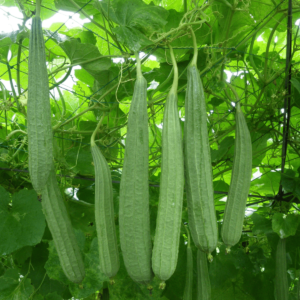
[104, 212]
[62, 231]
[134, 217]
[198, 170]
[167, 234]
[281, 280]
[240, 182]
[203, 281]
[188, 289]
[40, 147]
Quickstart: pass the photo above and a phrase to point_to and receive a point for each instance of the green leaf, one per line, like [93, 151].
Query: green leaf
[290, 183]
[285, 225]
[296, 84]
[259, 140]
[85, 77]
[136, 20]
[261, 224]
[87, 56]
[86, 37]
[53, 296]
[80, 161]
[135, 13]
[132, 37]
[37, 274]
[12, 288]
[55, 36]
[82, 215]
[21, 255]
[216, 101]
[224, 146]
[69, 6]
[22, 220]
[5, 43]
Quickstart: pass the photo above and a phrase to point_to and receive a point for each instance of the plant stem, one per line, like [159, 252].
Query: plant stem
[18, 66]
[38, 8]
[13, 88]
[195, 56]
[14, 132]
[96, 130]
[175, 79]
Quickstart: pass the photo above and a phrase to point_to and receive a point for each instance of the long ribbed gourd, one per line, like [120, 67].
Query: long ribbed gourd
[203, 281]
[104, 212]
[40, 147]
[62, 231]
[281, 280]
[134, 218]
[240, 182]
[167, 234]
[198, 170]
[188, 288]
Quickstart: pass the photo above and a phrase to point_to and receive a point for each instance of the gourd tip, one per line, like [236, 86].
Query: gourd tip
[162, 285]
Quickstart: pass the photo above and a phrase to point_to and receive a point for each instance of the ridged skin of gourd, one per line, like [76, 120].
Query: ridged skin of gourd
[198, 170]
[240, 182]
[168, 223]
[62, 231]
[203, 281]
[188, 289]
[134, 217]
[104, 215]
[40, 147]
[281, 280]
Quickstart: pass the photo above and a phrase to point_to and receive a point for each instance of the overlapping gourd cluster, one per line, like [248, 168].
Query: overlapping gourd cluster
[182, 162]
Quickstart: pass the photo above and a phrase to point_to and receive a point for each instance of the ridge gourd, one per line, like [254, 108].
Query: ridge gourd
[188, 289]
[198, 170]
[168, 223]
[60, 226]
[240, 182]
[281, 280]
[40, 144]
[104, 212]
[203, 280]
[134, 218]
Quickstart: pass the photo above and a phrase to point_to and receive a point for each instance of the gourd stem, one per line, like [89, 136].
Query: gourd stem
[238, 107]
[138, 65]
[38, 8]
[12, 87]
[194, 60]
[175, 80]
[96, 130]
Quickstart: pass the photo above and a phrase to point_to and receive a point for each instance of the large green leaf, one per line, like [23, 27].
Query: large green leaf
[87, 56]
[22, 220]
[12, 288]
[285, 225]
